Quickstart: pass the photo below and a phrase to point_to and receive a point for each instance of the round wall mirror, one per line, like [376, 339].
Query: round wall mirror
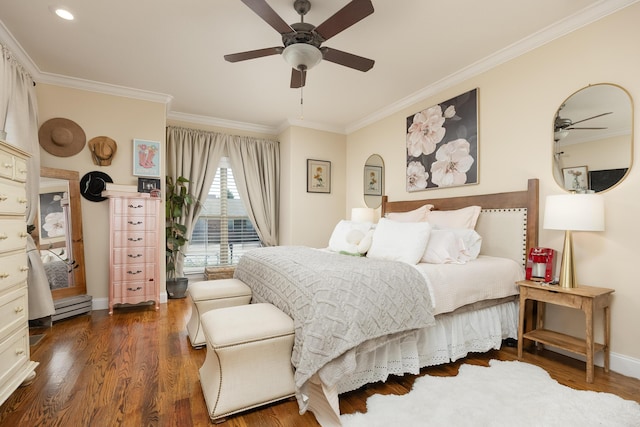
[593, 139]
[373, 181]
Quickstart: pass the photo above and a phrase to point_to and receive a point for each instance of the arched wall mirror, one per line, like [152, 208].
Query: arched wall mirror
[58, 232]
[373, 181]
[593, 139]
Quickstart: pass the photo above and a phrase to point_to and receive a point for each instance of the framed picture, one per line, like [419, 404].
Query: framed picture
[442, 144]
[146, 185]
[576, 178]
[146, 158]
[318, 176]
[372, 180]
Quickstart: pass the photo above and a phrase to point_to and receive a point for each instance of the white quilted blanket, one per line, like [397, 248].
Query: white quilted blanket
[337, 302]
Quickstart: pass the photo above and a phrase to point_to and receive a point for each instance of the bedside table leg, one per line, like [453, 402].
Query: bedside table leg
[588, 312]
[607, 336]
[523, 300]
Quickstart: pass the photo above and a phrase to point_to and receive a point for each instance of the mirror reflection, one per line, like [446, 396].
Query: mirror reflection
[373, 181]
[58, 232]
[593, 139]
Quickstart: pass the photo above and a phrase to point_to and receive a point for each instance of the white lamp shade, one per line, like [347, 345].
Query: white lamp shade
[302, 54]
[362, 215]
[577, 212]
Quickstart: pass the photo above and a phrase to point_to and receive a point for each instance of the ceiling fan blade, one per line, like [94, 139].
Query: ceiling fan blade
[347, 59]
[592, 117]
[252, 54]
[572, 128]
[264, 11]
[298, 78]
[344, 18]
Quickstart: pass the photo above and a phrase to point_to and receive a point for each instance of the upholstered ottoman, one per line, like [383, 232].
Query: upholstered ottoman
[248, 362]
[209, 295]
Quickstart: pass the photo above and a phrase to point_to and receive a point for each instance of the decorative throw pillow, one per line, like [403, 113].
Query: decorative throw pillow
[399, 241]
[455, 246]
[347, 235]
[459, 218]
[416, 215]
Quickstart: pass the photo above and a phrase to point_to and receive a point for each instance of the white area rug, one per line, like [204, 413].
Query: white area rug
[504, 394]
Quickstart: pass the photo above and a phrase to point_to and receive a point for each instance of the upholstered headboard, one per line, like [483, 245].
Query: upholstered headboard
[508, 222]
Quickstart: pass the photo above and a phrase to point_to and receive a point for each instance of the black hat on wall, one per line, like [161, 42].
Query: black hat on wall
[93, 184]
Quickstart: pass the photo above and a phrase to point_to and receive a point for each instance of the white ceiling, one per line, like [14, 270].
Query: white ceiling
[173, 50]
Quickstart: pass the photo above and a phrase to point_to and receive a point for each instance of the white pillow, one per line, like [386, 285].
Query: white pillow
[416, 215]
[347, 235]
[459, 218]
[399, 241]
[455, 246]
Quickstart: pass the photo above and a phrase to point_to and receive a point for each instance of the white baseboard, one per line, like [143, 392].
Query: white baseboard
[103, 303]
[618, 363]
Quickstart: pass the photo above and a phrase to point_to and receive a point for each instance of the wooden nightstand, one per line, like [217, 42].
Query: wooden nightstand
[585, 298]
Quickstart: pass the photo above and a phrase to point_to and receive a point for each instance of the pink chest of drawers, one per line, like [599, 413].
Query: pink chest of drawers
[134, 240]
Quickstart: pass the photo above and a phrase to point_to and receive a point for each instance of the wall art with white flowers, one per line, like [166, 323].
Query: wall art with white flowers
[442, 144]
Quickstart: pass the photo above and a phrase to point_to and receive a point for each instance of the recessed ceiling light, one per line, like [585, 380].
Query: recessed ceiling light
[63, 13]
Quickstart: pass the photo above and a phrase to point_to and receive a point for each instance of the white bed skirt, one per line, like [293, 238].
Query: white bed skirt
[451, 338]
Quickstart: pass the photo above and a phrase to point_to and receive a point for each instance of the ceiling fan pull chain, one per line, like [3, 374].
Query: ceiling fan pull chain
[301, 103]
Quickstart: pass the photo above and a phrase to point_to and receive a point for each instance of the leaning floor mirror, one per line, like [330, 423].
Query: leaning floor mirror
[58, 232]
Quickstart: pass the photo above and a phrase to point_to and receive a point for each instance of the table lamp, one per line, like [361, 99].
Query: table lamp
[572, 212]
[362, 215]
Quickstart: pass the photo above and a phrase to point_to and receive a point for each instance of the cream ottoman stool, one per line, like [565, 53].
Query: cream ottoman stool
[248, 362]
[209, 295]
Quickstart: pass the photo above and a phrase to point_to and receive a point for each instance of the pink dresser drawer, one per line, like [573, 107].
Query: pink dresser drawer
[134, 255]
[134, 239]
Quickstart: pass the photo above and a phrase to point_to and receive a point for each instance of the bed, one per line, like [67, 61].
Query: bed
[340, 345]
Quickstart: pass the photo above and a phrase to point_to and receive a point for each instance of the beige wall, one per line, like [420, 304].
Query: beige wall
[121, 119]
[517, 104]
[308, 218]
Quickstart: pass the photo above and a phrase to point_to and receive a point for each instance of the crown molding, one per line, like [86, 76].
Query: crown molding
[585, 17]
[224, 123]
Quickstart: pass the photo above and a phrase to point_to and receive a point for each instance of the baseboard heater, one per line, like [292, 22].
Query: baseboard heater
[71, 306]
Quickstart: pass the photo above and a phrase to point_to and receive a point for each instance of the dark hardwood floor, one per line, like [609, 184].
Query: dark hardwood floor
[137, 368]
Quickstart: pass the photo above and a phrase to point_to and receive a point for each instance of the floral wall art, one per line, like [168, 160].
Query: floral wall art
[442, 144]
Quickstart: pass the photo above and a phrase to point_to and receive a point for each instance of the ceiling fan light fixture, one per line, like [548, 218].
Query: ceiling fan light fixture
[302, 56]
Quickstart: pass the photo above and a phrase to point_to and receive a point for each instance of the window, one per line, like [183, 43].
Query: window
[223, 231]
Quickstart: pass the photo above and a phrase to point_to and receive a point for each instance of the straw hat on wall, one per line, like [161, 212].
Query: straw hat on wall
[61, 137]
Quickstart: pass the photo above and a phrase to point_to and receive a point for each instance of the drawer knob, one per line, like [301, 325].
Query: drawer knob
[3, 237]
[20, 351]
[4, 275]
[23, 234]
[135, 289]
[135, 222]
[134, 256]
[7, 165]
[24, 268]
[22, 200]
[131, 239]
[19, 309]
[135, 206]
[134, 272]
[3, 197]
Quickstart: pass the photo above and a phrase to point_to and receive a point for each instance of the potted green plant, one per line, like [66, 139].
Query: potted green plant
[178, 204]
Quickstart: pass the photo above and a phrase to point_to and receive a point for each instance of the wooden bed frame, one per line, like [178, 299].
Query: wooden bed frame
[526, 199]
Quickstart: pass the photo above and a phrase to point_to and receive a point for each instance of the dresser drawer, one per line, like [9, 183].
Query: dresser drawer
[129, 207]
[134, 223]
[13, 198]
[13, 270]
[134, 292]
[134, 272]
[13, 235]
[19, 169]
[14, 352]
[132, 239]
[6, 164]
[13, 311]
[134, 255]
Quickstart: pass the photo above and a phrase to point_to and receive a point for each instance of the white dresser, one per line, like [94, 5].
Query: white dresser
[15, 364]
[134, 269]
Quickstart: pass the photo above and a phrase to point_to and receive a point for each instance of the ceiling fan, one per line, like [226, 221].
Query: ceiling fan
[562, 126]
[302, 41]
